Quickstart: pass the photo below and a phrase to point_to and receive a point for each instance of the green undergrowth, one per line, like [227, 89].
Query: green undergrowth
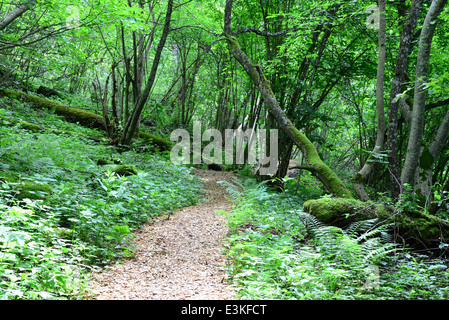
[276, 251]
[43, 117]
[49, 245]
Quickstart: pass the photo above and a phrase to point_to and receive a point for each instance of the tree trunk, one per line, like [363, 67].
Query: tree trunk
[359, 180]
[314, 163]
[132, 123]
[423, 176]
[418, 111]
[402, 61]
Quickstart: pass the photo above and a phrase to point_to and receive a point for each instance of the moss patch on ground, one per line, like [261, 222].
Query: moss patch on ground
[22, 188]
[125, 170]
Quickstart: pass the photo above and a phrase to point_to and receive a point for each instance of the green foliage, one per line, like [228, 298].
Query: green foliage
[48, 247]
[323, 72]
[279, 252]
[35, 261]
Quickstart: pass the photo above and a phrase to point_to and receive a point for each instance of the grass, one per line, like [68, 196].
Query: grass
[279, 252]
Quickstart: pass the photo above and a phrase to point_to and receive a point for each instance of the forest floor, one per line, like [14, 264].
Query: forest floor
[177, 257]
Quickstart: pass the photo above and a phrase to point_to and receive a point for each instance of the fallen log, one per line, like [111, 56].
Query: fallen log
[7, 121]
[416, 228]
[84, 118]
[81, 117]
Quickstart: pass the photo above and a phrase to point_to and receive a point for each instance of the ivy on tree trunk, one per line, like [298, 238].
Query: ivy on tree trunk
[314, 163]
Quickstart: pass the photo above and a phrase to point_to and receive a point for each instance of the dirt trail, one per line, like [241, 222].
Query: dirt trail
[179, 258]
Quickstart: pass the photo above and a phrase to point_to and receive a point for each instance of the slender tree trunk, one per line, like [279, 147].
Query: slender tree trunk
[314, 162]
[131, 125]
[423, 176]
[115, 116]
[402, 61]
[359, 180]
[418, 111]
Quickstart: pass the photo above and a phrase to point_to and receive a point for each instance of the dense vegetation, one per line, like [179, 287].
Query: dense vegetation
[280, 252]
[90, 92]
[49, 246]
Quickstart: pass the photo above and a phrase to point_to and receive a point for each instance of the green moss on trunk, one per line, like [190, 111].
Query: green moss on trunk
[340, 212]
[155, 141]
[325, 174]
[82, 117]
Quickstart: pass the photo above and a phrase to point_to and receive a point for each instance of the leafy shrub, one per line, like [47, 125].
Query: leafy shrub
[278, 252]
[35, 262]
[47, 248]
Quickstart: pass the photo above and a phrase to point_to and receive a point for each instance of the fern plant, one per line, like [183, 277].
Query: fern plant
[362, 243]
[232, 188]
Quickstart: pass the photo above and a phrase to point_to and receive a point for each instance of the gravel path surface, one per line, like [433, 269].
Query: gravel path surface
[176, 258]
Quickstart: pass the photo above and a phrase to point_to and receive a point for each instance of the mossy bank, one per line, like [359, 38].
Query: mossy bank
[415, 228]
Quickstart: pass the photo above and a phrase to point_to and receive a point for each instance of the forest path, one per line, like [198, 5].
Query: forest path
[177, 258]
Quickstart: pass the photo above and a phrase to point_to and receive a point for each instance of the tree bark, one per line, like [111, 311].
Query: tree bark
[132, 122]
[13, 15]
[359, 180]
[419, 103]
[314, 163]
[423, 176]
[402, 61]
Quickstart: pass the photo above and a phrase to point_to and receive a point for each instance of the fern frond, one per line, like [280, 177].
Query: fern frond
[360, 226]
[311, 223]
[362, 242]
[237, 182]
[376, 230]
[373, 249]
[232, 189]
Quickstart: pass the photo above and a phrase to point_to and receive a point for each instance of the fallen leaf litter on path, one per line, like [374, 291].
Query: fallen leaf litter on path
[176, 258]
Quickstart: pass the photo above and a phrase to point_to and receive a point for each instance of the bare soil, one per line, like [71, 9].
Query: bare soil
[177, 257]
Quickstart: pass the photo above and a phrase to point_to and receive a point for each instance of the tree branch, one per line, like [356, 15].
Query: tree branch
[263, 32]
[17, 12]
[437, 104]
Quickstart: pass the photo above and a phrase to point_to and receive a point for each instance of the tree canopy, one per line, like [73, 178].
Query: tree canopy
[161, 65]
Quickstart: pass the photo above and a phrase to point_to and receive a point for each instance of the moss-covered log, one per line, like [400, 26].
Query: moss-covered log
[7, 121]
[341, 212]
[314, 163]
[84, 118]
[155, 141]
[416, 228]
[79, 116]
